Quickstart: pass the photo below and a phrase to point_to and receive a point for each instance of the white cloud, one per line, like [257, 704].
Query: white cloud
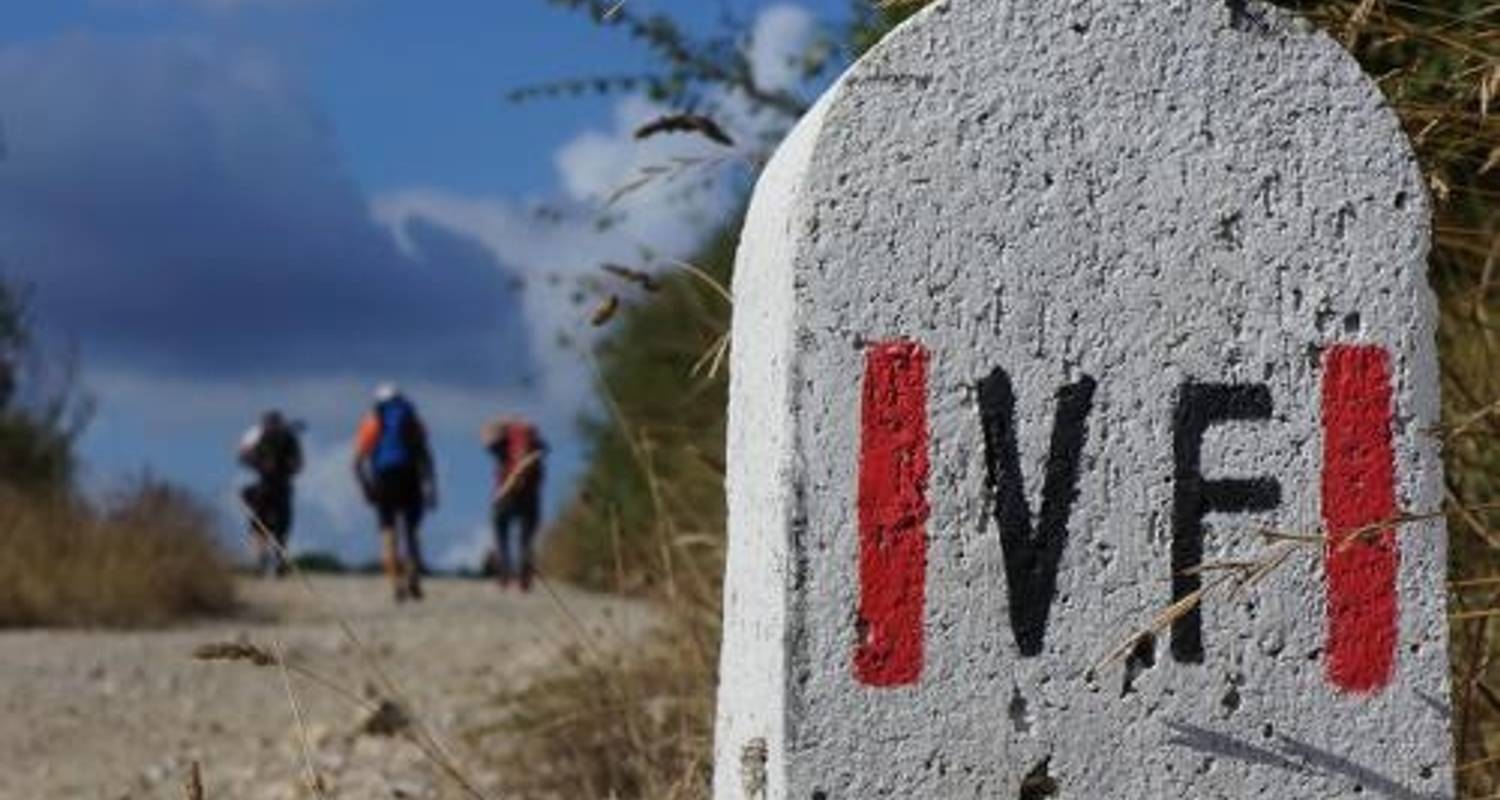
[660, 195]
[594, 165]
[667, 216]
[778, 44]
[327, 484]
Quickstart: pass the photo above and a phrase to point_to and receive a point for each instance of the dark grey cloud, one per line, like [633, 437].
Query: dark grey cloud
[185, 211]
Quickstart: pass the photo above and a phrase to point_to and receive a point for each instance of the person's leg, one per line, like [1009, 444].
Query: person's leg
[252, 527]
[265, 526]
[500, 523]
[390, 555]
[390, 559]
[510, 541]
[529, 516]
[279, 506]
[265, 555]
[415, 566]
[515, 559]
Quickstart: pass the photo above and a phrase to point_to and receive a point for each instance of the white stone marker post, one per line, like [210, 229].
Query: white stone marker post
[1044, 311]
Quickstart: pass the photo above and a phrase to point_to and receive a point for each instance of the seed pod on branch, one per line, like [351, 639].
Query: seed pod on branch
[685, 123]
[641, 278]
[605, 311]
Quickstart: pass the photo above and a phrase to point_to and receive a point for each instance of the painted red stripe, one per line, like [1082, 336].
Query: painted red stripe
[892, 514]
[1359, 492]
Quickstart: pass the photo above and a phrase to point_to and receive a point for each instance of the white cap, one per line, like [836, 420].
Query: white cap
[386, 391]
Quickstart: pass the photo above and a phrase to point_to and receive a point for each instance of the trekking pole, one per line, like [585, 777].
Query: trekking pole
[509, 484]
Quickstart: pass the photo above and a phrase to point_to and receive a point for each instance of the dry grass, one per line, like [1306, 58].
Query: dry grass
[148, 559]
[649, 521]
[634, 724]
[192, 785]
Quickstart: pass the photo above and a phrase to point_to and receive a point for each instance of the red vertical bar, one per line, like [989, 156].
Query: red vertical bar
[892, 514]
[1359, 494]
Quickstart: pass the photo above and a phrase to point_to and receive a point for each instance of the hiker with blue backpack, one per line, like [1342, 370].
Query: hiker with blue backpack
[393, 464]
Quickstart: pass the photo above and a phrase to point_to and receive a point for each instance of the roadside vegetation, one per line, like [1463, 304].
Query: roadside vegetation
[145, 557]
[650, 506]
[649, 517]
[648, 521]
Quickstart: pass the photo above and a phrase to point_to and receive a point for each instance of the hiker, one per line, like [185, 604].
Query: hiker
[270, 448]
[516, 501]
[393, 464]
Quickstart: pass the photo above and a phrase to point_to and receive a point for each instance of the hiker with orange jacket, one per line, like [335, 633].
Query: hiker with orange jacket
[516, 501]
[393, 464]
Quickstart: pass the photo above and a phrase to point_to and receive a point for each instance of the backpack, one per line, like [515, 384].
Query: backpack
[276, 454]
[517, 441]
[400, 443]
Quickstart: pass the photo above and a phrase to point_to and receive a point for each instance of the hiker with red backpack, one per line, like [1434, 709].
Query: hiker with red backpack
[270, 449]
[393, 464]
[515, 507]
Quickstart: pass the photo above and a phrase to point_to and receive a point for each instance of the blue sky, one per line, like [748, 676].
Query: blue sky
[227, 205]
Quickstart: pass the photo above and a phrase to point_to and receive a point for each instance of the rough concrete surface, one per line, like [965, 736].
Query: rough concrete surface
[1164, 263]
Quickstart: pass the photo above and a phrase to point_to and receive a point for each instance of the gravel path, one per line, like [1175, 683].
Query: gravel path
[120, 715]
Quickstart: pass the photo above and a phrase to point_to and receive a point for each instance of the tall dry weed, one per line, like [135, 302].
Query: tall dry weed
[649, 521]
[636, 724]
[149, 559]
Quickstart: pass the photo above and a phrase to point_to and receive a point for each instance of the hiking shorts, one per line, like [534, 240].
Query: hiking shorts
[397, 494]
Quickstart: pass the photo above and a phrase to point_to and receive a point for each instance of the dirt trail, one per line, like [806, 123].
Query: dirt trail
[119, 715]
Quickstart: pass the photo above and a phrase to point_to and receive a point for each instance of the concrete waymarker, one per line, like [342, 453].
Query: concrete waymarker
[1045, 310]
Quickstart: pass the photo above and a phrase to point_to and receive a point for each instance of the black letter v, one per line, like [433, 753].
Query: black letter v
[1032, 555]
